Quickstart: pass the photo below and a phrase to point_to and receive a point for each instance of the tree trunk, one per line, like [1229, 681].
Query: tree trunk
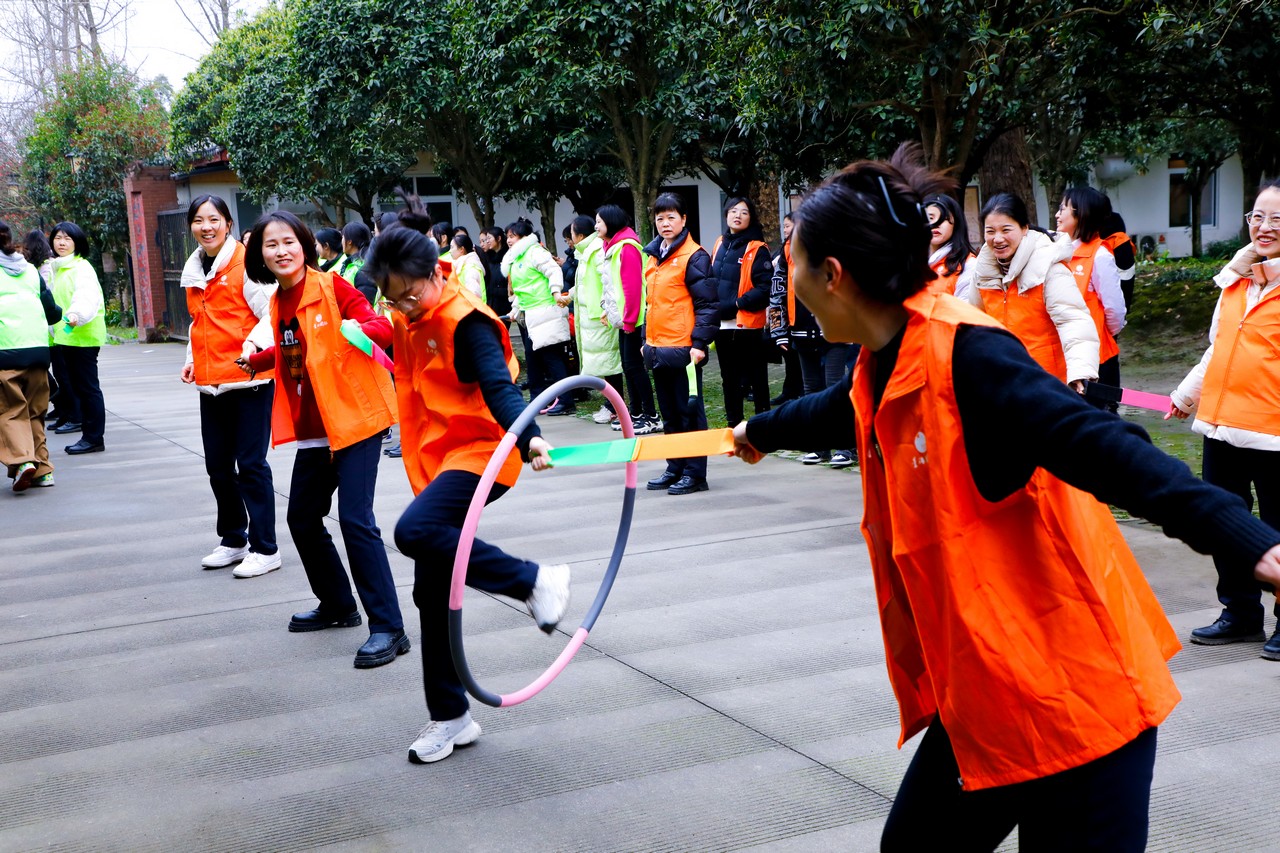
[1196, 189]
[546, 204]
[764, 195]
[1007, 169]
[642, 200]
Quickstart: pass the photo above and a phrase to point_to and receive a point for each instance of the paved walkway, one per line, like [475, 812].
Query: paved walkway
[732, 696]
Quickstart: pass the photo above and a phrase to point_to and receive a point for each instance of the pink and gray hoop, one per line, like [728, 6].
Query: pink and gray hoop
[467, 539]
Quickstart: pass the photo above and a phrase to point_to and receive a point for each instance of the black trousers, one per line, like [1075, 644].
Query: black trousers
[1240, 471]
[352, 472]
[235, 428]
[682, 411]
[740, 353]
[428, 532]
[638, 386]
[1102, 805]
[80, 365]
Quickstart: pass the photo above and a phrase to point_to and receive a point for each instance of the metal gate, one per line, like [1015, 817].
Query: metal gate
[176, 245]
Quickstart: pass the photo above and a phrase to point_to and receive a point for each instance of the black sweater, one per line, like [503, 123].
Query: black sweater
[1017, 418]
[479, 357]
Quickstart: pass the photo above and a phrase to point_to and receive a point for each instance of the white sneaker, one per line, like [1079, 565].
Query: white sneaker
[615, 425]
[439, 738]
[603, 416]
[257, 564]
[814, 457]
[43, 482]
[550, 597]
[25, 476]
[225, 555]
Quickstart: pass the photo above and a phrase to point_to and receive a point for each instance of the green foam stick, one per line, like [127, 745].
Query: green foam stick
[357, 338]
[599, 453]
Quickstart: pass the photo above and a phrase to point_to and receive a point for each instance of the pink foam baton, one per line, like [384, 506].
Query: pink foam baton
[1138, 399]
[466, 540]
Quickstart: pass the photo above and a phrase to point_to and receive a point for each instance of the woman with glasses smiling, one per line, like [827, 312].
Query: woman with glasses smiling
[1234, 392]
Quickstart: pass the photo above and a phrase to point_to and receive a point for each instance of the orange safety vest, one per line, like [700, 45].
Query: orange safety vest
[1026, 315]
[946, 282]
[1081, 266]
[1241, 384]
[1116, 240]
[445, 424]
[1025, 625]
[746, 319]
[221, 319]
[353, 392]
[669, 317]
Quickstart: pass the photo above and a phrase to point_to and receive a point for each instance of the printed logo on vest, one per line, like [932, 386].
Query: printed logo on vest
[320, 322]
[921, 446]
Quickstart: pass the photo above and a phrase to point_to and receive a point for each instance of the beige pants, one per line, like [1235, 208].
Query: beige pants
[24, 400]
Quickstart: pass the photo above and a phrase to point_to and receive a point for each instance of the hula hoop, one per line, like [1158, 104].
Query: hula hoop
[468, 537]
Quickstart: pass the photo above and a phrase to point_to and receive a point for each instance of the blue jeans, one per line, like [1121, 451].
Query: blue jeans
[428, 532]
[353, 473]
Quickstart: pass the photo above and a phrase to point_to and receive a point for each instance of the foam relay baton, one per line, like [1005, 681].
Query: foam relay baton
[676, 446]
[357, 338]
[1138, 399]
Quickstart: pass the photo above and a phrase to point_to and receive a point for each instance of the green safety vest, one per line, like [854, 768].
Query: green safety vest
[90, 334]
[587, 282]
[22, 323]
[615, 269]
[348, 267]
[529, 283]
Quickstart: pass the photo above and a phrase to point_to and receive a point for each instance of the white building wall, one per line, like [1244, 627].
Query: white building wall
[1143, 201]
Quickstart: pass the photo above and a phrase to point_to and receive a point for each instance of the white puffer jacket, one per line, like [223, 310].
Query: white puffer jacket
[1039, 263]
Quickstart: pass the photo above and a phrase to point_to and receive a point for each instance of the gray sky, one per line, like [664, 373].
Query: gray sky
[161, 41]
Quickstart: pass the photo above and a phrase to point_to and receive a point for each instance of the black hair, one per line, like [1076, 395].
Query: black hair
[460, 229]
[870, 218]
[6, 239]
[583, 226]
[406, 248]
[788, 217]
[218, 203]
[463, 241]
[255, 266]
[1091, 209]
[1267, 184]
[77, 235]
[36, 247]
[1005, 204]
[330, 238]
[521, 227]
[386, 220]
[614, 218]
[668, 202]
[357, 234]
[442, 232]
[958, 247]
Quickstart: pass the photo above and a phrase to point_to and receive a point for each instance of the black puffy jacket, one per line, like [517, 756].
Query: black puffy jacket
[725, 269]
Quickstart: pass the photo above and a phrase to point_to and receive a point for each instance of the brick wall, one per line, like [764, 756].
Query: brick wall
[148, 190]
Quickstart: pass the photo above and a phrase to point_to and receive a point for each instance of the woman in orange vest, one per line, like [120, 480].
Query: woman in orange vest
[227, 308]
[1021, 279]
[335, 402]
[1081, 217]
[680, 325]
[1019, 631]
[950, 253]
[1234, 392]
[455, 379]
[743, 270]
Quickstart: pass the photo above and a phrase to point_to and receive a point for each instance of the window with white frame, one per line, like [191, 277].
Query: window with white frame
[434, 192]
[1180, 197]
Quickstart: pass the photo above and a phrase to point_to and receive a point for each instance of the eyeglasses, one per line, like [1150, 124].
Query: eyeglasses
[1255, 218]
[405, 304]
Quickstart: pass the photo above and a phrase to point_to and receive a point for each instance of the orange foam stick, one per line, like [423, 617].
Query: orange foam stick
[709, 442]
